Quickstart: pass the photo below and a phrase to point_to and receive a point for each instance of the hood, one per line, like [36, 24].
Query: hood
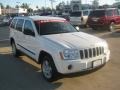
[75, 40]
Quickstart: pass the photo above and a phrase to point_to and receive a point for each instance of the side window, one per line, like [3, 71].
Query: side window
[85, 13]
[110, 13]
[19, 24]
[28, 28]
[13, 23]
[116, 12]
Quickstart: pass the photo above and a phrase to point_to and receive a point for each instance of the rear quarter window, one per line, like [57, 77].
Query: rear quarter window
[109, 13]
[19, 24]
[13, 23]
[116, 12]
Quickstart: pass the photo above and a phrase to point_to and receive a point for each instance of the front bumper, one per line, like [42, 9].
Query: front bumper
[73, 66]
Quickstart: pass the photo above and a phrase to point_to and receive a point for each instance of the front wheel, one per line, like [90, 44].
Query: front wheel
[48, 69]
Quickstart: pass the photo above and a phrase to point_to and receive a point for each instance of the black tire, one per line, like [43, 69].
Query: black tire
[15, 51]
[53, 71]
[94, 28]
[111, 27]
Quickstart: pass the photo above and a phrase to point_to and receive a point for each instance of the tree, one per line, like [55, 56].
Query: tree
[7, 7]
[95, 4]
[2, 6]
[29, 10]
[16, 6]
[43, 9]
[48, 9]
[60, 6]
[25, 5]
[37, 7]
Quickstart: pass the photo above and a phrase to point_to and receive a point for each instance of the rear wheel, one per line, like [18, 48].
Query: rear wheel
[94, 28]
[15, 52]
[49, 70]
[111, 27]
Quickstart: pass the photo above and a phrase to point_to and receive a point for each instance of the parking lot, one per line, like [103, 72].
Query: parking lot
[24, 74]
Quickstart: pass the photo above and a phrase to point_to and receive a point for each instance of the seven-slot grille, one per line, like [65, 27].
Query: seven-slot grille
[91, 52]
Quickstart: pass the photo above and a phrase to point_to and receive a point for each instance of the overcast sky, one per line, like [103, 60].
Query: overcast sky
[40, 3]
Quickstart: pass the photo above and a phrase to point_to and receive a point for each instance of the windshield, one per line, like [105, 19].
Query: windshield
[98, 13]
[76, 14]
[46, 28]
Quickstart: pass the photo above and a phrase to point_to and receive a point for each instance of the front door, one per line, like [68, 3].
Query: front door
[30, 44]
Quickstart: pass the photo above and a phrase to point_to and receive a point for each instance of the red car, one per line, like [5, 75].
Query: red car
[104, 18]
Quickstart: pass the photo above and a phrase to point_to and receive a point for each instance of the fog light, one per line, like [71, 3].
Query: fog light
[70, 67]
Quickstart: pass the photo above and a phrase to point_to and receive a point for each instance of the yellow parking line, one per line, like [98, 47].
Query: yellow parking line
[5, 50]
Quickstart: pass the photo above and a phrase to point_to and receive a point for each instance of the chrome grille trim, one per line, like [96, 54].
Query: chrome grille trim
[91, 52]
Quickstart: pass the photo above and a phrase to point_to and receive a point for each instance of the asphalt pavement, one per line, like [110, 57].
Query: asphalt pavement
[4, 33]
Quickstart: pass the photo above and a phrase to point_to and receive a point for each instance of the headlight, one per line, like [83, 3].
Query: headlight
[70, 54]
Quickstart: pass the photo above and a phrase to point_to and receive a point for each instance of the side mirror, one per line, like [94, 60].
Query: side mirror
[29, 32]
[77, 28]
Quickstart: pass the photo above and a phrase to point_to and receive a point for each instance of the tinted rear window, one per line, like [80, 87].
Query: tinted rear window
[98, 13]
[19, 24]
[75, 14]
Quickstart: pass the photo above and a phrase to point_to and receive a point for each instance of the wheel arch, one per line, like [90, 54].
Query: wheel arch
[11, 40]
[42, 54]
[112, 21]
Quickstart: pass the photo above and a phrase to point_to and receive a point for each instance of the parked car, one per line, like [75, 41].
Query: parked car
[6, 20]
[57, 45]
[79, 18]
[104, 18]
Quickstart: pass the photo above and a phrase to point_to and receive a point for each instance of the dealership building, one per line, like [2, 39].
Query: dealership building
[13, 11]
[76, 5]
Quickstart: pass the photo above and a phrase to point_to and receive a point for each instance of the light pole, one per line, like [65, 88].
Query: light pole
[45, 4]
[18, 7]
[52, 1]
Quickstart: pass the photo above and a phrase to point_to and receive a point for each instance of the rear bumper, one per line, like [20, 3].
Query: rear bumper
[98, 25]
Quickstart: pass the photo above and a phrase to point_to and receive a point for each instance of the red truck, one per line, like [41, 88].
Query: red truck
[104, 18]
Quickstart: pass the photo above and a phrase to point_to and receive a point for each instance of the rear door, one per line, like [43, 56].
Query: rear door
[19, 37]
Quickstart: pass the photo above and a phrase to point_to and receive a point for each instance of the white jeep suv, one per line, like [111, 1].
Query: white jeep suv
[57, 45]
